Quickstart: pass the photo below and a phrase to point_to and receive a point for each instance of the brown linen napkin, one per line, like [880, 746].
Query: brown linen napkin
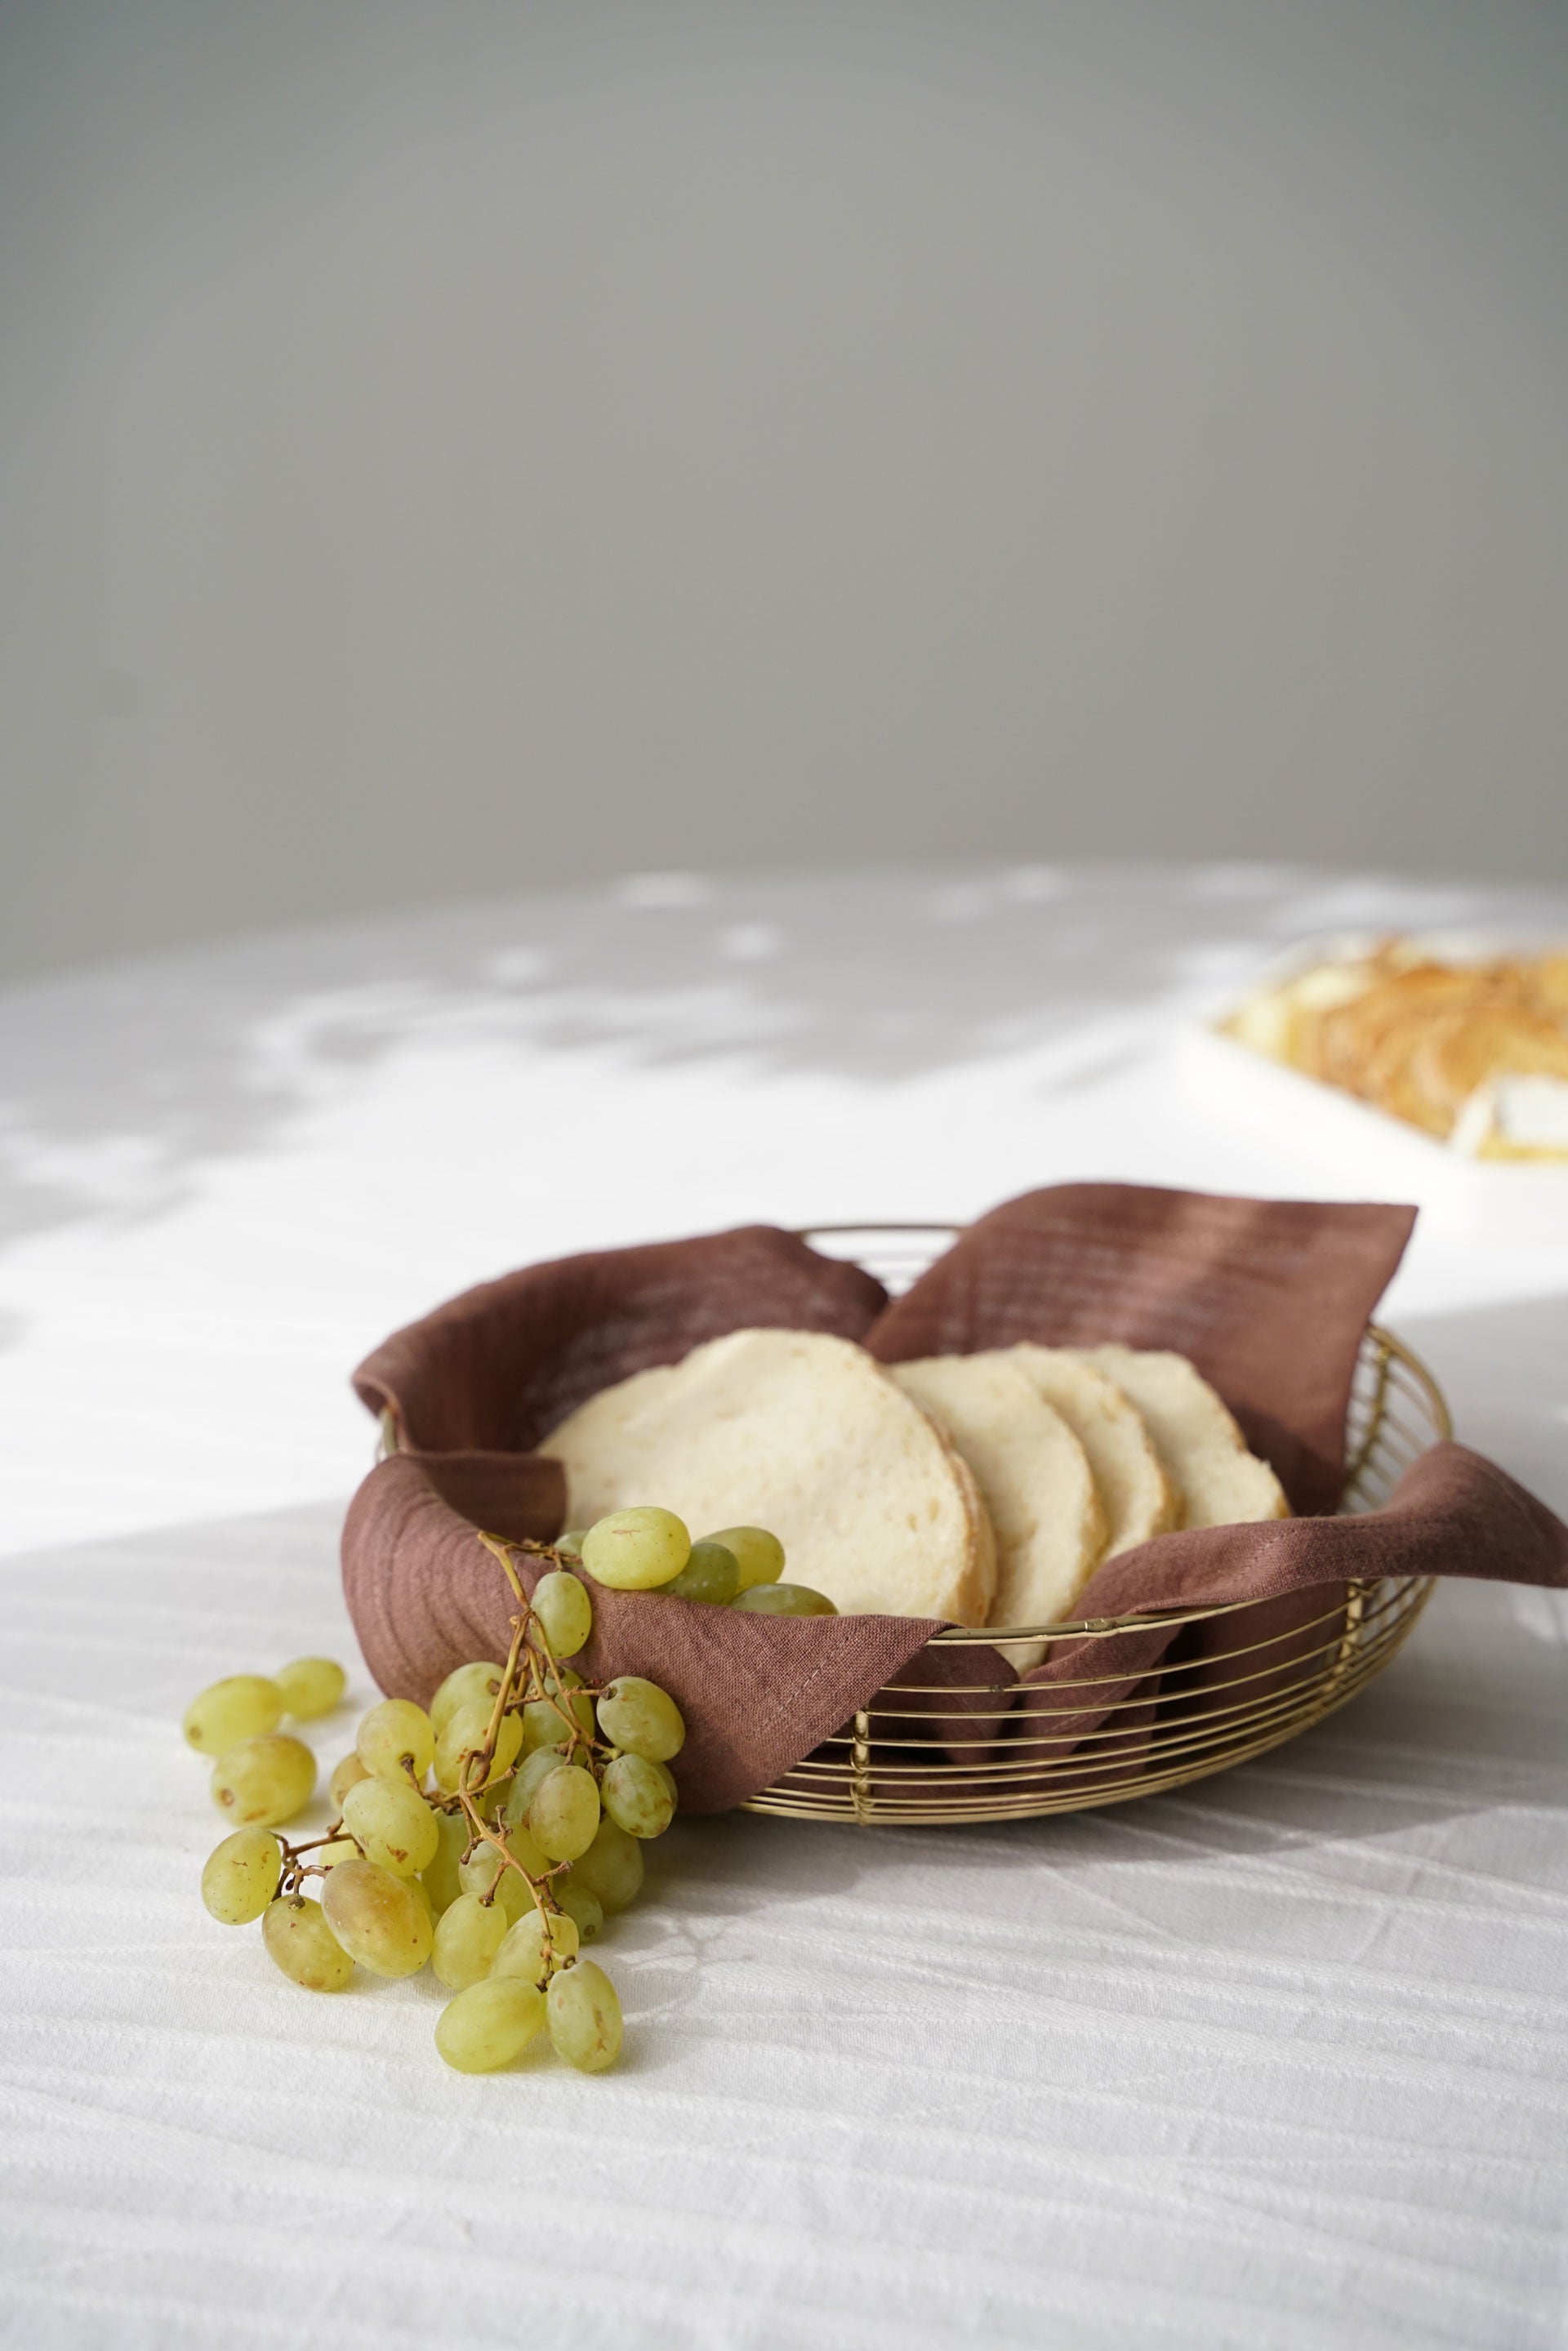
[1268, 1298]
[758, 1692]
[500, 1366]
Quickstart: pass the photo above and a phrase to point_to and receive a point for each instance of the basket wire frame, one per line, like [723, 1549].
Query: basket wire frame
[925, 1753]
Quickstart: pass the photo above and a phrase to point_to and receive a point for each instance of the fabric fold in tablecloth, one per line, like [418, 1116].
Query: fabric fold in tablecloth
[1270, 1299]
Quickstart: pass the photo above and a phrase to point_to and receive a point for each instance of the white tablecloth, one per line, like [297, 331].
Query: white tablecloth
[1280, 2059]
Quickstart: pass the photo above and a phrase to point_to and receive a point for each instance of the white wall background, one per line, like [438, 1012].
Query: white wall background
[448, 444]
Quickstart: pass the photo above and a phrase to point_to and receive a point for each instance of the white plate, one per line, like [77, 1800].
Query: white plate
[1526, 1200]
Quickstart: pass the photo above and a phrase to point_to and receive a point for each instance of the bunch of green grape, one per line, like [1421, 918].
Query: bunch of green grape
[488, 1836]
[646, 1550]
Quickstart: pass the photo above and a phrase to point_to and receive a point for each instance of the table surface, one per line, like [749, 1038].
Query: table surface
[1278, 2059]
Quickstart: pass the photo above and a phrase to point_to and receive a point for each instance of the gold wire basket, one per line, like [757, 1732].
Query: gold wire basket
[947, 1746]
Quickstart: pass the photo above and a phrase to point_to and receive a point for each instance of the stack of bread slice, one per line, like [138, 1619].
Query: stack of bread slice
[984, 1489]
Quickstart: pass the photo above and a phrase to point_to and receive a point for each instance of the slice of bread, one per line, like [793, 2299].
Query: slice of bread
[1220, 1483]
[1034, 1478]
[808, 1436]
[1140, 1502]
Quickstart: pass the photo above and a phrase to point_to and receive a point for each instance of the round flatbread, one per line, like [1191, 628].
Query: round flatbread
[1033, 1475]
[1205, 1453]
[806, 1434]
[1138, 1495]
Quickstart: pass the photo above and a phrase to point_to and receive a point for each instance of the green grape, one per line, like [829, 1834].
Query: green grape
[584, 1909]
[381, 1920]
[641, 1718]
[488, 2024]
[584, 2017]
[521, 1841]
[467, 1936]
[466, 1731]
[571, 1541]
[240, 1878]
[526, 1778]
[637, 1549]
[508, 1747]
[298, 1939]
[542, 1719]
[345, 1773]
[328, 1857]
[611, 1870]
[668, 1777]
[465, 1685]
[310, 1685]
[563, 1607]
[265, 1780]
[395, 1739]
[758, 1556]
[785, 1599]
[712, 1573]
[635, 1796]
[564, 1814]
[418, 1887]
[513, 1896]
[484, 1865]
[392, 1825]
[522, 1953]
[440, 1877]
[241, 1707]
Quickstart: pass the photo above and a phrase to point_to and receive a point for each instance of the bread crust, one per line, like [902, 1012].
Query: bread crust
[1220, 1483]
[1033, 1476]
[978, 1586]
[1139, 1497]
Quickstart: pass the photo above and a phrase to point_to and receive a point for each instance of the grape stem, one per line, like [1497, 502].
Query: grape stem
[532, 1676]
[293, 1871]
[539, 1643]
[531, 1673]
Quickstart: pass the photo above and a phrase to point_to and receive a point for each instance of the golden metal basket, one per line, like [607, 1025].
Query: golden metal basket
[1234, 1681]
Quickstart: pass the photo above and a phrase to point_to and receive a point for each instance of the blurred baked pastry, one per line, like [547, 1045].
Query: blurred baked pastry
[1474, 1054]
